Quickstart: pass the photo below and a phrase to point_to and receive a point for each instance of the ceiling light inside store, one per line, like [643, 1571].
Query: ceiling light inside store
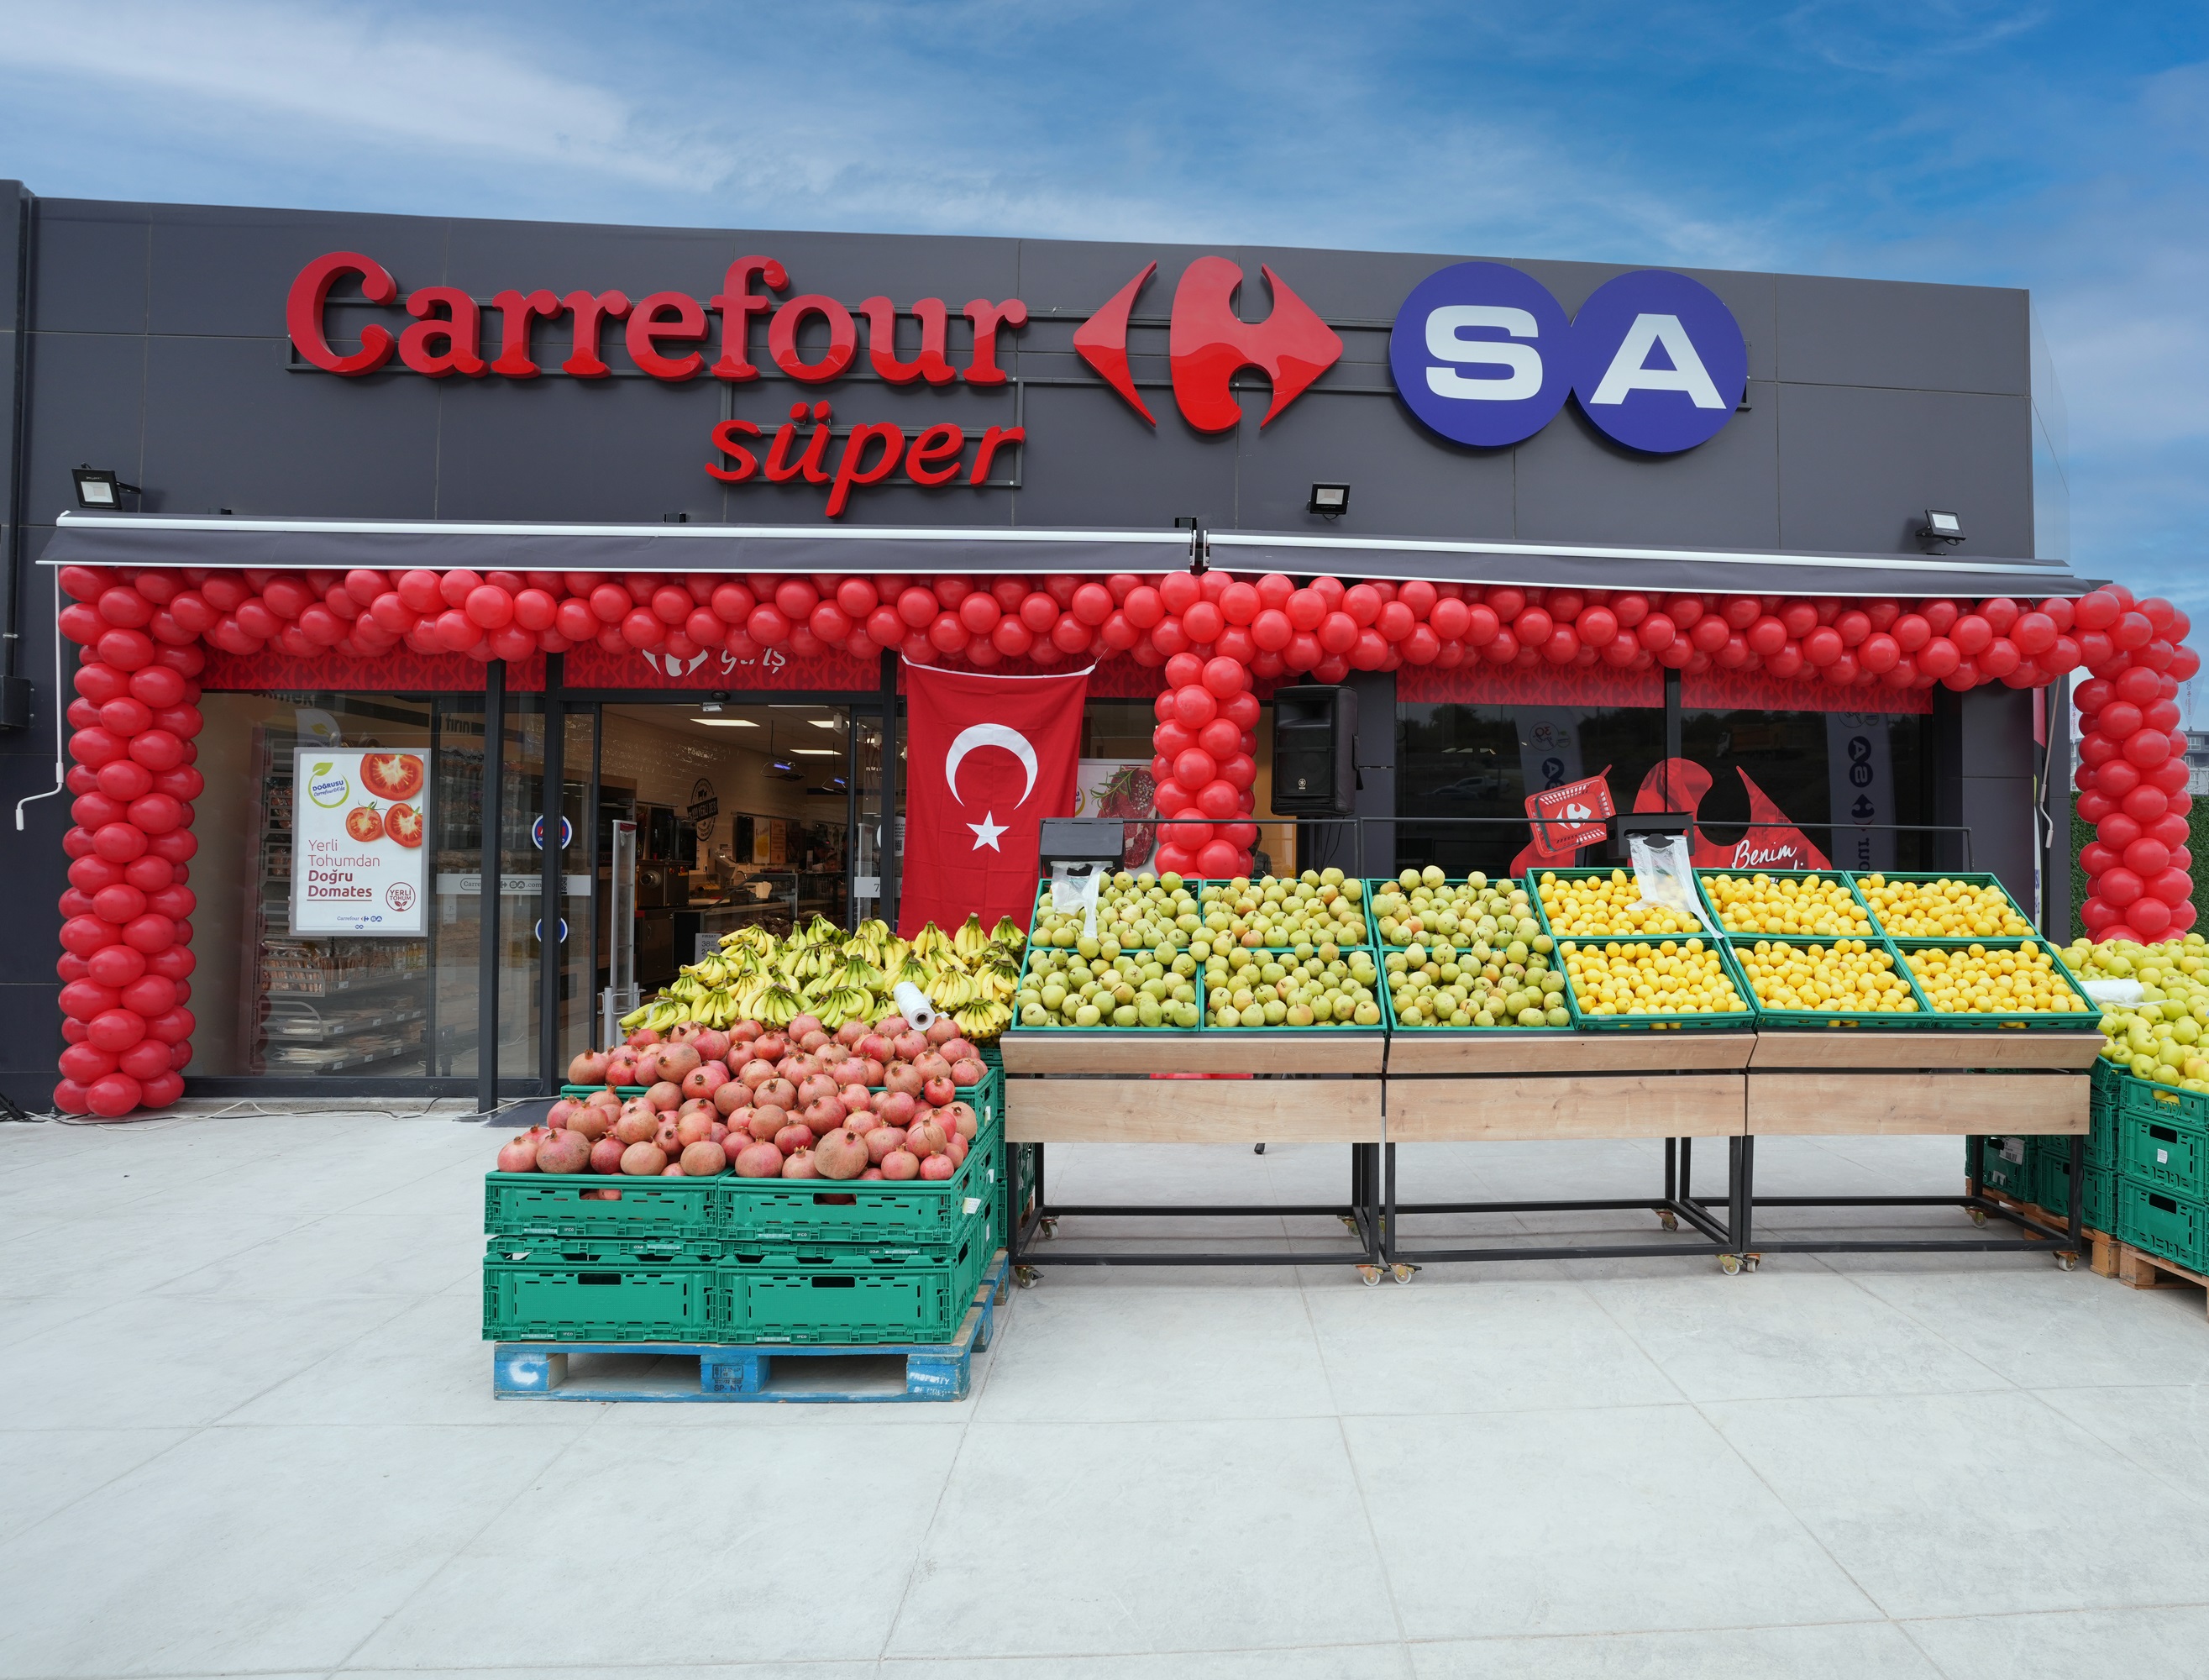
[816, 752]
[726, 723]
[826, 723]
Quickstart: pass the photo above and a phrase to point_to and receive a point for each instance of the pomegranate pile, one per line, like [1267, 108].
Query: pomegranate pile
[877, 1102]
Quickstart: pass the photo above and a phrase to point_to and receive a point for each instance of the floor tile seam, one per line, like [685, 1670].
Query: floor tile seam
[1908, 1622]
[1632, 1341]
[2193, 1495]
[344, 1346]
[1148, 1421]
[1372, 1530]
[920, 1545]
[522, 1489]
[2004, 1382]
[191, 1432]
[1731, 1447]
[1909, 1637]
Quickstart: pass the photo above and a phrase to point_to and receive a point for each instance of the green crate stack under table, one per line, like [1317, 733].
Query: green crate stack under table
[2163, 1170]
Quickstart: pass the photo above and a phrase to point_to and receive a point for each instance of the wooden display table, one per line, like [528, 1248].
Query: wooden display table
[1459, 1088]
[1840, 1083]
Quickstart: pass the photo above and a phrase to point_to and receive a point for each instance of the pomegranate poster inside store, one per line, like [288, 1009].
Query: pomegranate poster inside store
[358, 823]
[1121, 787]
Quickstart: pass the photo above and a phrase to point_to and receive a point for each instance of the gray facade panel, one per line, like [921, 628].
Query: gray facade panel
[87, 409]
[1092, 461]
[1401, 485]
[1903, 336]
[1575, 484]
[93, 267]
[227, 427]
[222, 271]
[1858, 467]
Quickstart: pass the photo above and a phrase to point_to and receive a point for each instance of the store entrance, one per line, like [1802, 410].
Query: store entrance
[705, 815]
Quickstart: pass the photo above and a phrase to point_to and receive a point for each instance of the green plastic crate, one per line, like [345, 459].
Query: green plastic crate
[2085, 1021]
[2050, 1160]
[2101, 1199]
[2154, 1151]
[810, 1295]
[1386, 882]
[1702, 875]
[613, 1205]
[1056, 1026]
[535, 1292]
[910, 1216]
[1203, 993]
[1389, 1018]
[2153, 1216]
[1821, 1020]
[624, 1091]
[2006, 1164]
[1969, 877]
[2164, 1102]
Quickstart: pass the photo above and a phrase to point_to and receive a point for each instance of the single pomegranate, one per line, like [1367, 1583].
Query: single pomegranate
[965, 1121]
[903, 1076]
[823, 1116]
[767, 1121]
[704, 1079]
[770, 1046]
[639, 1123]
[703, 1159]
[592, 1122]
[647, 1066]
[756, 1072]
[932, 1064]
[779, 1092]
[967, 1070]
[899, 1163]
[684, 1031]
[733, 1095]
[518, 1156]
[938, 1167]
[622, 1070]
[943, 1030]
[606, 1154]
[908, 1044]
[895, 1108]
[665, 1095]
[857, 1100]
[938, 1091]
[556, 1117]
[668, 1143]
[793, 1138]
[643, 1160]
[814, 1088]
[870, 1072]
[677, 1060]
[955, 1147]
[851, 1031]
[883, 1140]
[841, 1154]
[871, 1172]
[672, 1170]
[924, 1139]
[711, 1043]
[563, 1151]
[759, 1161]
[588, 1067]
[744, 1032]
[801, 1165]
[874, 1046]
[863, 1122]
[692, 1127]
[643, 1039]
[959, 1048]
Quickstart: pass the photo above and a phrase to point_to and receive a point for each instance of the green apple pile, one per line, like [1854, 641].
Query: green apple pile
[1316, 908]
[1145, 911]
[2165, 1036]
[1097, 984]
[1515, 986]
[1421, 904]
[1306, 986]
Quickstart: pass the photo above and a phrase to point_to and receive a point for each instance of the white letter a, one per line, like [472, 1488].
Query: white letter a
[1627, 373]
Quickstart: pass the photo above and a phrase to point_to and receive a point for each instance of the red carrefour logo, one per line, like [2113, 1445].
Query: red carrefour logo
[1208, 344]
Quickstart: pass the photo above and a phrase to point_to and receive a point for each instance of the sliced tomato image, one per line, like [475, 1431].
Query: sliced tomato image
[392, 776]
[364, 823]
[404, 824]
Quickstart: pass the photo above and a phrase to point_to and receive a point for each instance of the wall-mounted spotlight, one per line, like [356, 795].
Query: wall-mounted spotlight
[97, 487]
[1328, 501]
[1941, 532]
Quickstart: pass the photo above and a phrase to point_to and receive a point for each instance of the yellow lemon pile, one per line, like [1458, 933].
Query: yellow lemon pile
[1603, 905]
[1943, 909]
[1666, 977]
[1845, 978]
[1975, 981]
[1808, 904]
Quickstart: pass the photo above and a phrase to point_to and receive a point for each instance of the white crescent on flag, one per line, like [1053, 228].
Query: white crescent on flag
[990, 734]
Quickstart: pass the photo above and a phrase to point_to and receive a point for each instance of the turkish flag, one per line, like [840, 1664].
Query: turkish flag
[987, 758]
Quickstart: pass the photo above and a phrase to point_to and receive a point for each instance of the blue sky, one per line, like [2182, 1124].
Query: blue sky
[2060, 147]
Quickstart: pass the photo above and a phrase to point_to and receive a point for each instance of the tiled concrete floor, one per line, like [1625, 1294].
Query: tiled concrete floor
[245, 1427]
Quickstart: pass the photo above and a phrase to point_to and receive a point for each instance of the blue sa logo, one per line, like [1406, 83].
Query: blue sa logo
[1483, 355]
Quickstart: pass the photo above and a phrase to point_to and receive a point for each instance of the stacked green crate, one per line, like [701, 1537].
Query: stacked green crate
[2163, 1171]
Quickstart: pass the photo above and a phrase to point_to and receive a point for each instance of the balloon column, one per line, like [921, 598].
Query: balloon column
[2131, 767]
[127, 933]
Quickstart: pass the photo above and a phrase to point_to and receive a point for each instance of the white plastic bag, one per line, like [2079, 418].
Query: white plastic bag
[2124, 993]
[1665, 876]
[1072, 893]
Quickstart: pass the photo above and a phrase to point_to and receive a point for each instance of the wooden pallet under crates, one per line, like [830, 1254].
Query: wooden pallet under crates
[2139, 1269]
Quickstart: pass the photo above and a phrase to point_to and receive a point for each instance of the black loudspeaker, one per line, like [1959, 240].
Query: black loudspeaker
[1314, 751]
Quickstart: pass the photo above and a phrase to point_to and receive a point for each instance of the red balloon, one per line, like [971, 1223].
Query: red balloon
[1194, 769]
[1880, 654]
[2144, 804]
[2119, 887]
[1190, 835]
[150, 933]
[2117, 777]
[1172, 736]
[84, 1063]
[86, 1000]
[174, 1027]
[2147, 747]
[1239, 603]
[1271, 629]
[2131, 631]
[1219, 860]
[114, 966]
[1822, 646]
[1971, 633]
[156, 813]
[2093, 805]
[1175, 860]
[109, 1096]
[2097, 914]
[1656, 632]
[1203, 622]
[2118, 830]
[2034, 633]
[1217, 800]
[2172, 884]
[1238, 770]
[158, 749]
[115, 1030]
[1194, 706]
[2145, 857]
[85, 934]
[1337, 633]
[118, 842]
[1939, 659]
[2150, 918]
[2171, 829]
[2094, 857]
[1225, 677]
[1222, 739]
[149, 1058]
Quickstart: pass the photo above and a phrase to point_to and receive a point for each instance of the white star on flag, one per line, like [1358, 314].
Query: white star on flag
[986, 832]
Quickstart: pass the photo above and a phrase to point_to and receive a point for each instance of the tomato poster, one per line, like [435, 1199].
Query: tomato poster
[358, 822]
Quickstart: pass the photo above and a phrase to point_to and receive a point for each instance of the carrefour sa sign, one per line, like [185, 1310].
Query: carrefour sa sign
[1483, 354]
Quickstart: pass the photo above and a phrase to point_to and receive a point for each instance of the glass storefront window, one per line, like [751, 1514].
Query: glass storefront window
[1458, 762]
[1840, 777]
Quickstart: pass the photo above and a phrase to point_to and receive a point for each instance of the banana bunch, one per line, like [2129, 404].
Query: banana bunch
[982, 1022]
[931, 940]
[971, 941]
[1010, 935]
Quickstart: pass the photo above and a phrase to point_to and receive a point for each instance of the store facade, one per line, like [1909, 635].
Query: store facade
[696, 467]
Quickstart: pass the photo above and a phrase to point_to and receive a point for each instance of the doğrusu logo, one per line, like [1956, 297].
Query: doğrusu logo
[1208, 344]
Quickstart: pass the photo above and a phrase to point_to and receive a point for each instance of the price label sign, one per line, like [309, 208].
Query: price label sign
[360, 820]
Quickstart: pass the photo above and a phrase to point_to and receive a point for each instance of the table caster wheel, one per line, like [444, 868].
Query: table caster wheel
[1349, 1223]
[1749, 1261]
[1669, 1220]
[1371, 1274]
[1403, 1273]
[2068, 1262]
[1729, 1264]
[1048, 1229]
[1978, 1216]
[1027, 1276]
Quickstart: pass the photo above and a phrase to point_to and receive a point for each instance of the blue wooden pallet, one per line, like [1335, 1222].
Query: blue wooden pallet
[772, 1373]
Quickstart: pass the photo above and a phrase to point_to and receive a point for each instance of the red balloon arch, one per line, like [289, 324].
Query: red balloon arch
[126, 936]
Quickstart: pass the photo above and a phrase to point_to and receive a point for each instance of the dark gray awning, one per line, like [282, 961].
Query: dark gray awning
[161, 539]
